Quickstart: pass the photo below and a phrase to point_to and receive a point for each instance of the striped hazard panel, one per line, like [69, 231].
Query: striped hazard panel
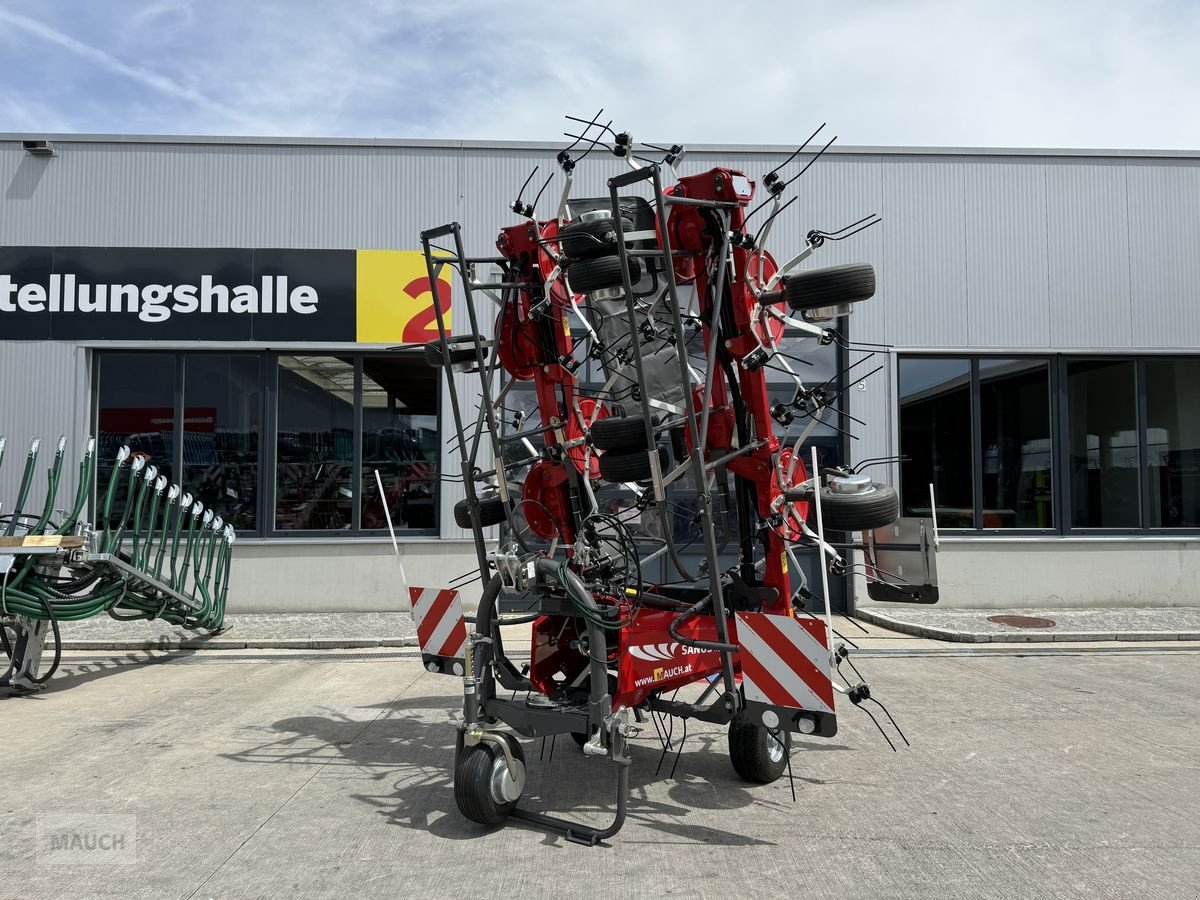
[441, 629]
[785, 662]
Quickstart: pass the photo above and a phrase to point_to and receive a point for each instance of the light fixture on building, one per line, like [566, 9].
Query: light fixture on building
[39, 147]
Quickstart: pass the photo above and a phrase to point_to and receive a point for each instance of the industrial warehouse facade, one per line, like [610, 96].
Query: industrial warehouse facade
[248, 314]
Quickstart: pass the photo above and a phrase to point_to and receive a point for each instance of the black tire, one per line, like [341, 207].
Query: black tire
[473, 781]
[620, 434]
[586, 240]
[829, 287]
[491, 511]
[458, 354]
[758, 754]
[620, 468]
[862, 511]
[587, 275]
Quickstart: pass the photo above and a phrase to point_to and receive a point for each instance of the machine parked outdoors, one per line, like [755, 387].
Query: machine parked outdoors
[665, 289]
[154, 553]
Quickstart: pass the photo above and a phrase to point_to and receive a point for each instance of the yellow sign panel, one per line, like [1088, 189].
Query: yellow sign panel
[395, 300]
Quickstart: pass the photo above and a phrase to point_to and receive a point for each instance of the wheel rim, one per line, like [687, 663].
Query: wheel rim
[775, 748]
[504, 789]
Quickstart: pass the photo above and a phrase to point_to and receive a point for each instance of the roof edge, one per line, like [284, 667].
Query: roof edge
[434, 143]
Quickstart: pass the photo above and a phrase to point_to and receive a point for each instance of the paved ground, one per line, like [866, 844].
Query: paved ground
[1088, 625]
[294, 631]
[323, 631]
[1034, 772]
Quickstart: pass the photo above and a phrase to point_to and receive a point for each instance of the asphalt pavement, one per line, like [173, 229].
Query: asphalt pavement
[1033, 771]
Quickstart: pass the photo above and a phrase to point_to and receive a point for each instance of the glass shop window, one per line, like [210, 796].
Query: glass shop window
[1102, 443]
[400, 439]
[135, 406]
[1014, 403]
[935, 438]
[222, 412]
[314, 446]
[1172, 436]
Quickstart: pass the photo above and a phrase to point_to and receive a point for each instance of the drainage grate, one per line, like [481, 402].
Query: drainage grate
[1022, 621]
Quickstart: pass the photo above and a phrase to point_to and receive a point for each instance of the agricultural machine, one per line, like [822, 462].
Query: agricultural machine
[155, 554]
[663, 288]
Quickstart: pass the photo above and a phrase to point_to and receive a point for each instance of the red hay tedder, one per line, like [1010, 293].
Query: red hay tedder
[664, 292]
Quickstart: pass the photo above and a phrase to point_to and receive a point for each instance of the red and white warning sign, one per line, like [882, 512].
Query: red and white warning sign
[441, 628]
[785, 662]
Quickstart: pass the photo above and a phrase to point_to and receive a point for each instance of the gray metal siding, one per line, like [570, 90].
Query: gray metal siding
[979, 251]
[1088, 237]
[45, 395]
[1007, 257]
[1164, 254]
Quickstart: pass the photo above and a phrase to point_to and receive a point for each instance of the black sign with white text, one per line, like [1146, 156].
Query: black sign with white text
[94, 293]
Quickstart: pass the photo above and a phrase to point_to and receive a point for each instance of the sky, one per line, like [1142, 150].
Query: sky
[965, 73]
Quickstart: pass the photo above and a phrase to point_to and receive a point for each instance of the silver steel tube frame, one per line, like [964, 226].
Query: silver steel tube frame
[704, 495]
[457, 261]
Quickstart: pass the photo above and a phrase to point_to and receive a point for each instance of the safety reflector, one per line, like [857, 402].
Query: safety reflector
[785, 662]
[441, 629]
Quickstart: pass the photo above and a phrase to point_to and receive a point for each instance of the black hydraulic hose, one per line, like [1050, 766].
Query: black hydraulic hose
[486, 625]
[42, 679]
[692, 610]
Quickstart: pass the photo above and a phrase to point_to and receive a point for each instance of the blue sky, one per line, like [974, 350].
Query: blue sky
[906, 72]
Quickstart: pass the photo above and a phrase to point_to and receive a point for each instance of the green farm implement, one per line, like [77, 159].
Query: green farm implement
[155, 554]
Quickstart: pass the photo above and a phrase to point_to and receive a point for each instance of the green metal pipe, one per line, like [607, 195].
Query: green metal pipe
[26, 483]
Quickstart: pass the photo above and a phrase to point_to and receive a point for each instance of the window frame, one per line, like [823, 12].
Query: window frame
[269, 436]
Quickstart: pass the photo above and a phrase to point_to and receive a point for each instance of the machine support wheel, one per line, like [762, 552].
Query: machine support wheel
[484, 790]
[620, 468]
[758, 753]
[598, 273]
[491, 511]
[873, 507]
[816, 288]
[621, 434]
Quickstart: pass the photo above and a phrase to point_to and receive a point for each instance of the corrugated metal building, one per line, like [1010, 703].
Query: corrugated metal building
[1042, 307]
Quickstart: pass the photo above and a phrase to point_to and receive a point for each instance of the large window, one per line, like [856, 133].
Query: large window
[1014, 423]
[314, 450]
[1052, 444]
[280, 443]
[1172, 435]
[1102, 443]
[935, 425]
[135, 403]
[400, 440]
[222, 428]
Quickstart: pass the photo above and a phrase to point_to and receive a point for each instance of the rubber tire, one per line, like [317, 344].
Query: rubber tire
[620, 434]
[587, 240]
[829, 287]
[458, 355]
[858, 512]
[749, 750]
[587, 275]
[491, 511]
[620, 468]
[472, 782]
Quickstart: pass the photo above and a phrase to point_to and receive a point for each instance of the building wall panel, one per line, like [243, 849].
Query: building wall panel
[1007, 259]
[1087, 220]
[1164, 234]
[924, 258]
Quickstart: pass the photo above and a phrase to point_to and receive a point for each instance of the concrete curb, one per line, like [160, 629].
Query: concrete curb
[1017, 635]
[244, 644]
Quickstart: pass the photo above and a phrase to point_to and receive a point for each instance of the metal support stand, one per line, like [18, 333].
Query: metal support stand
[583, 834]
[27, 652]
